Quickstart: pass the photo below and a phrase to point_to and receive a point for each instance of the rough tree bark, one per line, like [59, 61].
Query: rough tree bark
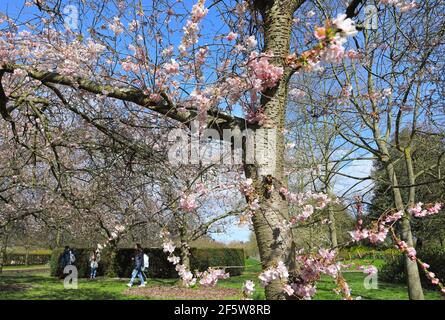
[274, 245]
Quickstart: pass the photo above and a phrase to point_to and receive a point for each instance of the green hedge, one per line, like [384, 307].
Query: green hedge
[19, 259]
[363, 252]
[200, 258]
[394, 269]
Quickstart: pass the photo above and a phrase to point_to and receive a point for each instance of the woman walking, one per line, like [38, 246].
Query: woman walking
[138, 265]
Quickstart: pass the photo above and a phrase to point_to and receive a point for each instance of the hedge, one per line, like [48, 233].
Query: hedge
[394, 269]
[363, 252]
[19, 259]
[200, 259]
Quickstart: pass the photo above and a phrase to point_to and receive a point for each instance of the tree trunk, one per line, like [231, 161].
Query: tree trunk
[1, 257]
[110, 252]
[26, 255]
[58, 236]
[274, 244]
[332, 227]
[184, 249]
[412, 271]
[3, 248]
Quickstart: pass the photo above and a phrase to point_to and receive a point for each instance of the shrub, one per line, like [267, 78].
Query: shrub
[394, 269]
[363, 252]
[20, 259]
[200, 258]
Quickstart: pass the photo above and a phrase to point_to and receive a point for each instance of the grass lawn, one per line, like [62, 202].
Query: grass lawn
[38, 285]
[26, 268]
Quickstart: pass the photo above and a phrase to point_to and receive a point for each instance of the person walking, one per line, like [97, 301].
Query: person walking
[68, 257]
[138, 265]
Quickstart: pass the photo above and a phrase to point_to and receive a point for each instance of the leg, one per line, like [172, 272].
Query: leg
[141, 277]
[133, 276]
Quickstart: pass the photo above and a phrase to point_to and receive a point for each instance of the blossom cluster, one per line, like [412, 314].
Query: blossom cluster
[417, 211]
[72, 58]
[380, 230]
[410, 251]
[248, 289]
[187, 202]
[307, 202]
[117, 231]
[262, 73]
[191, 28]
[310, 267]
[209, 277]
[273, 273]
[402, 4]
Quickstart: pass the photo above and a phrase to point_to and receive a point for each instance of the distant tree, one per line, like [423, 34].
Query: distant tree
[428, 153]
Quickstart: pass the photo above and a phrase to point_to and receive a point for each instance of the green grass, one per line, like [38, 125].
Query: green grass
[36, 286]
[22, 267]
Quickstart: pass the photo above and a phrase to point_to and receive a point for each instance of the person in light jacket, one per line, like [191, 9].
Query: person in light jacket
[94, 264]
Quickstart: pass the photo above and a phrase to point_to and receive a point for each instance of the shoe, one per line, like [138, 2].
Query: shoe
[142, 285]
[129, 285]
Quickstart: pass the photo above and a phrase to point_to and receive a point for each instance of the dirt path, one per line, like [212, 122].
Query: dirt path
[183, 293]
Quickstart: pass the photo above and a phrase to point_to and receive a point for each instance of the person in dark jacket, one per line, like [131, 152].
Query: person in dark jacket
[66, 257]
[138, 265]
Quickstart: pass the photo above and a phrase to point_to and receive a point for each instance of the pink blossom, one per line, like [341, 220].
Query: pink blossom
[380, 236]
[394, 217]
[345, 24]
[231, 36]
[411, 252]
[329, 255]
[251, 42]
[169, 246]
[305, 291]
[417, 211]
[408, 6]
[254, 205]
[116, 26]
[334, 53]
[352, 54]
[369, 269]
[425, 265]
[211, 276]
[187, 202]
[296, 93]
[288, 289]
[273, 273]
[320, 33]
[173, 259]
[199, 11]
[358, 235]
[255, 116]
[172, 67]
[267, 74]
[248, 287]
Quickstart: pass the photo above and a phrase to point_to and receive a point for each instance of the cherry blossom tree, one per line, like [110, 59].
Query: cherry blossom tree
[128, 66]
